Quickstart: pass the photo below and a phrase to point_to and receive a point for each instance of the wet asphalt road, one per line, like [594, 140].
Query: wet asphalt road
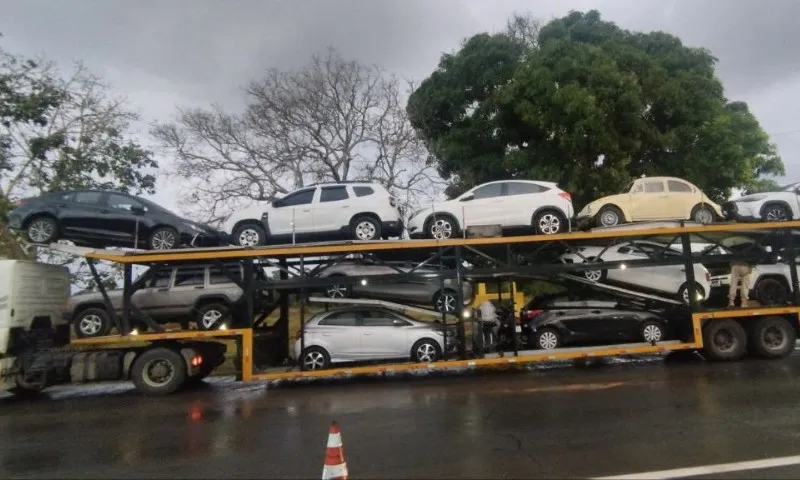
[557, 423]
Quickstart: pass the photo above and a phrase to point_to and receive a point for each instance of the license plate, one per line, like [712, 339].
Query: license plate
[519, 328]
[716, 283]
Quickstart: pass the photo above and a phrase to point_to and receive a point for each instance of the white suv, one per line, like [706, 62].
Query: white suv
[353, 210]
[512, 204]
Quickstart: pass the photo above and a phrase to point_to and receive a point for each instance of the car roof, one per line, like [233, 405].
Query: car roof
[359, 308]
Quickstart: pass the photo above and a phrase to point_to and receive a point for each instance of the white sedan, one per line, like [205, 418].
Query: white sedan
[669, 279]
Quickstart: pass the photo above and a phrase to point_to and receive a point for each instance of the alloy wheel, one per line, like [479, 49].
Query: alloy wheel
[426, 352]
[652, 333]
[90, 325]
[549, 224]
[210, 318]
[163, 240]
[446, 303]
[441, 229]
[314, 361]
[548, 340]
[40, 230]
[336, 291]
[776, 214]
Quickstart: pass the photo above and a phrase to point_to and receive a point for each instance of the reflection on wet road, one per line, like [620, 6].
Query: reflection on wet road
[558, 423]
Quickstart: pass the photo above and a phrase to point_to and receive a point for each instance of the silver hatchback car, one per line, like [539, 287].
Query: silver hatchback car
[361, 334]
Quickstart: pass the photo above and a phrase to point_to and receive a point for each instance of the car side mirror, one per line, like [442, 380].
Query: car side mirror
[468, 198]
[398, 323]
[137, 210]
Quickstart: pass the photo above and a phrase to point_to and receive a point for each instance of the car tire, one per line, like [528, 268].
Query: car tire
[210, 315]
[703, 214]
[249, 235]
[683, 292]
[159, 371]
[547, 339]
[317, 358]
[442, 300]
[609, 216]
[772, 337]
[776, 212]
[550, 222]
[724, 340]
[163, 238]
[443, 223]
[771, 291]
[595, 275]
[426, 350]
[653, 332]
[365, 228]
[338, 290]
[92, 322]
[42, 229]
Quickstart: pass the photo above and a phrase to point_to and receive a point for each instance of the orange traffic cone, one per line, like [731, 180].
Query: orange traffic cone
[335, 467]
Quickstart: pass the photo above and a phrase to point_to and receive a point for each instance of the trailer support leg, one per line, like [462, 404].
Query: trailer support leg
[459, 309]
[106, 300]
[792, 261]
[691, 282]
[302, 316]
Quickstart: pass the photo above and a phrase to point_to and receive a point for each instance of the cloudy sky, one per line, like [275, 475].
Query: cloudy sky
[163, 53]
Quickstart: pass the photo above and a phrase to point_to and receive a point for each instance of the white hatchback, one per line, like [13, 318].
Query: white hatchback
[523, 205]
[350, 210]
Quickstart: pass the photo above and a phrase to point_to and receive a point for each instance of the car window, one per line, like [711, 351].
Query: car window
[217, 276]
[122, 202]
[488, 191]
[637, 188]
[339, 319]
[333, 194]
[677, 186]
[303, 197]
[522, 188]
[373, 318]
[190, 276]
[160, 279]
[653, 186]
[363, 191]
[87, 198]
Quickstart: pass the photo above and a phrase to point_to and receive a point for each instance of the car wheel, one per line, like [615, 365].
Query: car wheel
[776, 213]
[316, 358]
[164, 238]
[365, 228]
[445, 302]
[441, 227]
[771, 291]
[652, 332]
[426, 350]
[337, 291]
[595, 275]
[549, 223]
[210, 316]
[250, 235]
[683, 292]
[42, 230]
[159, 371]
[703, 215]
[548, 339]
[772, 337]
[92, 322]
[609, 216]
[724, 340]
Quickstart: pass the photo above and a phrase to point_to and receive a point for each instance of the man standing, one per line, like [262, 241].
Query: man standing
[740, 275]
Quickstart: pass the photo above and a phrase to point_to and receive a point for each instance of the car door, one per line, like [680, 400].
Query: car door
[681, 198]
[185, 289]
[332, 210]
[81, 216]
[155, 298]
[526, 198]
[340, 334]
[647, 198]
[381, 336]
[293, 213]
[485, 206]
[119, 220]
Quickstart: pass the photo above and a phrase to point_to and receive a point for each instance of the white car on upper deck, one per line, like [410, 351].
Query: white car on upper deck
[778, 206]
[350, 210]
[512, 204]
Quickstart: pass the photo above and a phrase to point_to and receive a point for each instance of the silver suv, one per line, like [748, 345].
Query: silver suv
[426, 291]
[199, 293]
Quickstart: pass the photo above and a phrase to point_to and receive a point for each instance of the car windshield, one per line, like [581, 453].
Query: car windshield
[628, 187]
[789, 188]
[155, 206]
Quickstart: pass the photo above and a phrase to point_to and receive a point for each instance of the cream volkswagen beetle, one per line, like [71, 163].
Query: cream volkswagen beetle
[651, 199]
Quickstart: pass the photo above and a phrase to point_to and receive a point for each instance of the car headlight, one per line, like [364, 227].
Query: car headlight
[194, 227]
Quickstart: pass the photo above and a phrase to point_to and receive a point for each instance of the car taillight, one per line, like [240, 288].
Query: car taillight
[565, 196]
[708, 276]
[529, 314]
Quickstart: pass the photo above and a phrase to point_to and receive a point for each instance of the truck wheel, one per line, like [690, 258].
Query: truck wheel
[159, 371]
[772, 337]
[724, 340]
[92, 322]
[208, 316]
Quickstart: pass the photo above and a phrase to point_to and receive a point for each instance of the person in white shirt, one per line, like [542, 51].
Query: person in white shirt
[488, 312]
[490, 324]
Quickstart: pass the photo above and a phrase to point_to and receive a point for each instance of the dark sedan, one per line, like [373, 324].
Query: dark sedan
[105, 219]
[587, 317]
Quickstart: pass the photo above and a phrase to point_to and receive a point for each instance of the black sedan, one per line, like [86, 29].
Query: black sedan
[104, 219]
[587, 317]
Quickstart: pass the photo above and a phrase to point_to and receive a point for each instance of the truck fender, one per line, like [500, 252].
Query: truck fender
[127, 363]
[188, 353]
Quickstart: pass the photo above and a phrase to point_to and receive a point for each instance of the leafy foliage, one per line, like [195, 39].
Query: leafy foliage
[584, 103]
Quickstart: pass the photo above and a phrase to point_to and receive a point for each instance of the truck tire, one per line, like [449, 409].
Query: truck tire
[159, 371]
[92, 322]
[772, 337]
[724, 340]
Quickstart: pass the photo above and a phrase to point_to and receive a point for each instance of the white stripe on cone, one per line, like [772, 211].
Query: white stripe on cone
[330, 472]
[334, 440]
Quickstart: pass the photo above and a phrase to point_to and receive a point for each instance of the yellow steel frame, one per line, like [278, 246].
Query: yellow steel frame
[332, 249]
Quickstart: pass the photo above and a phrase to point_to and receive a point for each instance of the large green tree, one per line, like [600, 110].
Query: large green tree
[589, 105]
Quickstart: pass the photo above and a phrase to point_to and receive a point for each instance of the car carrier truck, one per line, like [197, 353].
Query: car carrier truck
[37, 353]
